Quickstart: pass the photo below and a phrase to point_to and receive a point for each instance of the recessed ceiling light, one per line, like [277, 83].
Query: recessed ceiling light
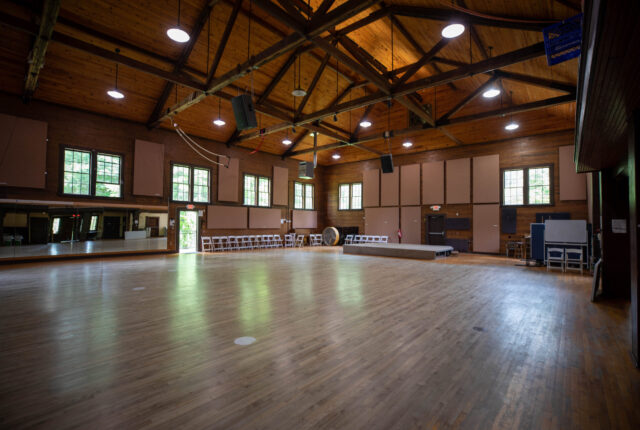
[115, 94]
[219, 122]
[336, 156]
[491, 93]
[407, 144]
[365, 123]
[178, 35]
[511, 126]
[452, 30]
[286, 141]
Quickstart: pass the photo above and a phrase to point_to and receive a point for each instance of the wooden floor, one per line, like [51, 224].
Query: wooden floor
[343, 342]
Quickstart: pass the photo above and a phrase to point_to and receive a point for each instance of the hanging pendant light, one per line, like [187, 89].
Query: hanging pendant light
[336, 156]
[177, 34]
[219, 121]
[286, 140]
[298, 91]
[365, 123]
[115, 93]
[407, 144]
[452, 30]
[512, 124]
[491, 93]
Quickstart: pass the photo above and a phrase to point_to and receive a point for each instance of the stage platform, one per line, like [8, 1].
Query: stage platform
[406, 250]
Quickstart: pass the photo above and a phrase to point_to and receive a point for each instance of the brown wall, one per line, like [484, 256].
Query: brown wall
[86, 130]
[520, 152]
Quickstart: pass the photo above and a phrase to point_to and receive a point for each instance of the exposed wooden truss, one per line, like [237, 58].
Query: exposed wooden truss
[50, 9]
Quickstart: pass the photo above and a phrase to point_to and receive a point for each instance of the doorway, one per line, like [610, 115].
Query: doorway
[187, 231]
[153, 223]
[435, 230]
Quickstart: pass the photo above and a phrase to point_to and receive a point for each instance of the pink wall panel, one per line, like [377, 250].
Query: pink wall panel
[410, 223]
[23, 152]
[280, 185]
[148, 169]
[264, 217]
[458, 181]
[371, 188]
[227, 217]
[486, 179]
[228, 181]
[486, 228]
[573, 186]
[305, 219]
[433, 183]
[389, 188]
[410, 185]
[382, 222]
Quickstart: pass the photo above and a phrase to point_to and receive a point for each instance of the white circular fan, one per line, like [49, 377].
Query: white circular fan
[330, 236]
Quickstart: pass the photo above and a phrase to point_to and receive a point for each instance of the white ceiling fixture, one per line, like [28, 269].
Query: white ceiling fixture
[177, 34]
[365, 123]
[407, 144]
[452, 30]
[286, 141]
[219, 121]
[298, 91]
[115, 93]
[312, 134]
[511, 126]
[491, 93]
[336, 156]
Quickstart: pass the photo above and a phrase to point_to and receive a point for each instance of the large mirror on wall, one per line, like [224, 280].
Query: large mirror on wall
[51, 229]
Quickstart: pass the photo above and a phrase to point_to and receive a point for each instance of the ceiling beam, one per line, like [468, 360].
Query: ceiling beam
[292, 10]
[426, 57]
[312, 85]
[372, 17]
[450, 136]
[296, 23]
[278, 77]
[462, 103]
[50, 10]
[534, 80]
[224, 40]
[202, 19]
[322, 9]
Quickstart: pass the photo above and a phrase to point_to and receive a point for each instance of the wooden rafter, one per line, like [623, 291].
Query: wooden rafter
[278, 77]
[534, 80]
[312, 85]
[296, 23]
[427, 57]
[475, 36]
[468, 98]
[366, 113]
[293, 11]
[50, 9]
[224, 40]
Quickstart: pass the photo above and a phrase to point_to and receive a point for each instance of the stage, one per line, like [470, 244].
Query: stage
[406, 250]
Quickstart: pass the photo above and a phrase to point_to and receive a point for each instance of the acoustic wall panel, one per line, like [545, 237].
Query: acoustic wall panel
[410, 224]
[410, 185]
[264, 218]
[371, 188]
[573, 186]
[280, 185]
[433, 183]
[305, 219]
[486, 179]
[226, 217]
[389, 188]
[486, 232]
[23, 152]
[148, 169]
[228, 181]
[382, 222]
[458, 181]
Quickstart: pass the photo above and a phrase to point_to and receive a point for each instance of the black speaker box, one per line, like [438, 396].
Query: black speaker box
[387, 163]
[244, 112]
[305, 170]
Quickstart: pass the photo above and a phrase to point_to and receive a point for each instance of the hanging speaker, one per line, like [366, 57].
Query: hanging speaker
[387, 163]
[305, 170]
[244, 112]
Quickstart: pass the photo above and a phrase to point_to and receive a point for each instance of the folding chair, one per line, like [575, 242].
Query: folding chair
[555, 255]
[300, 241]
[384, 239]
[246, 242]
[573, 257]
[277, 239]
[289, 240]
[348, 240]
[207, 246]
[266, 241]
[232, 243]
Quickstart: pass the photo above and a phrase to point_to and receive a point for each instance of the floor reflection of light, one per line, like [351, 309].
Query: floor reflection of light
[187, 302]
[255, 298]
[349, 285]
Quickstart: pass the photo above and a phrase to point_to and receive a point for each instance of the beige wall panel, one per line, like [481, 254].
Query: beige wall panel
[573, 186]
[371, 188]
[148, 169]
[410, 185]
[228, 181]
[410, 223]
[23, 152]
[486, 228]
[433, 183]
[280, 185]
[486, 179]
[226, 217]
[382, 222]
[458, 181]
[264, 217]
[389, 188]
[305, 219]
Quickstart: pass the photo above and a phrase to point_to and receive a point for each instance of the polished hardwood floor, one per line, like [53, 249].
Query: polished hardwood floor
[343, 342]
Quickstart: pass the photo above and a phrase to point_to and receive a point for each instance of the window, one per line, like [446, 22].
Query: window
[350, 196]
[190, 184]
[55, 227]
[93, 226]
[303, 196]
[86, 173]
[108, 176]
[257, 191]
[527, 186]
[77, 172]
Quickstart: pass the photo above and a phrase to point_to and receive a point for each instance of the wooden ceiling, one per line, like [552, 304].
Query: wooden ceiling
[343, 50]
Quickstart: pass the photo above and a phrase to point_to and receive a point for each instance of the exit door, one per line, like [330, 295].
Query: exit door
[187, 231]
[435, 230]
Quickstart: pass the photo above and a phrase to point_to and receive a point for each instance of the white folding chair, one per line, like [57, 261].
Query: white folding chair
[357, 238]
[266, 241]
[348, 240]
[223, 243]
[555, 255]
[573, 257]
[207, 246]
[277, 239]
[377, 239]
[384, 239]
[232, 243]
[289, 240]
[246, 242]
[300, 240]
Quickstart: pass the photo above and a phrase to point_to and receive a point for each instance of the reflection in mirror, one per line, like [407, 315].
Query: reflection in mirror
[59, 229]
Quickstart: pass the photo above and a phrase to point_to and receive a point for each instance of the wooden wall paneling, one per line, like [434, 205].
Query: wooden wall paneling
[280, 186]
[148, 169]
[486, 179]
[458, 183]
[573, 186]
[264, 218]
[389, 188]
[229, 181]
[382, 222]
[433, 183]
[486, 228]
[23, 152]
[410, 185]
[411, 224]
[371, 188]
[227, 217]
[304, 219]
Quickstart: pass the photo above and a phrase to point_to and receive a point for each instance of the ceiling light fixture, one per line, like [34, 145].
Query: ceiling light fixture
[452, 30]
[115, 93]
[365, 123]
[219, 121]
[511, 126]
[491, 93]
[407, 144]
[313, 133]
[176, 33]
[336, 156]
[335, 117]
[286, 141]
[297, 91]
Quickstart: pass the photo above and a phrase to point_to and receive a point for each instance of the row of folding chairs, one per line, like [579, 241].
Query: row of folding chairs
[292, 240]
[315, 239]
[361, 238]
[233, 243]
